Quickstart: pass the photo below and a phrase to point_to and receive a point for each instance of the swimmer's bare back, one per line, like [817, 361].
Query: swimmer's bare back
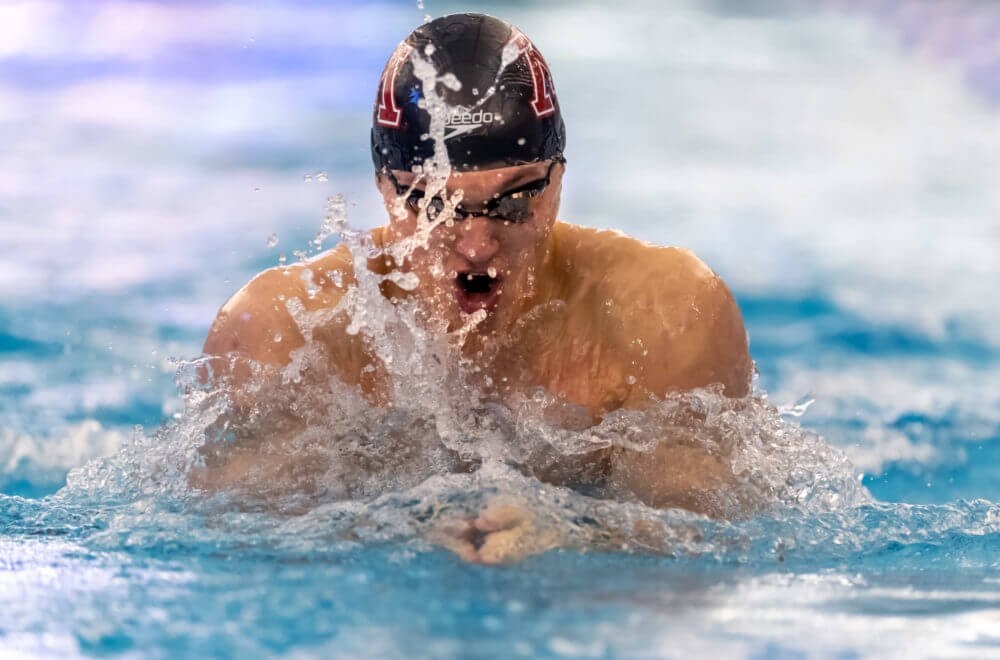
[628, 321]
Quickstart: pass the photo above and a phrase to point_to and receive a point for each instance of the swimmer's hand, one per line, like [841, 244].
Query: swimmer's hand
[505, 531]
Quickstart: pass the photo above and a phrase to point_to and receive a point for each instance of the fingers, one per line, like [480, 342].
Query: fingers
[504, 546]
[465, 551]
[499, 517]
[457, 536]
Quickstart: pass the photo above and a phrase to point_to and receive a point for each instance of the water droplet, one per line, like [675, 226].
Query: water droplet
[475, 91]
[630, 380]
[272, 240]
[521, 142]
[405, 281]
[256, 189]
[282, 258]
[321, 177]
[334, 220]
[277, 338]
[307, 178]
[311, 287]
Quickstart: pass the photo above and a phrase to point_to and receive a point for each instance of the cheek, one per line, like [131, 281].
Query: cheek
[521, 241]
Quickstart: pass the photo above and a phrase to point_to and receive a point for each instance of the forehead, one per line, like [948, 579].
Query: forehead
[483, 183]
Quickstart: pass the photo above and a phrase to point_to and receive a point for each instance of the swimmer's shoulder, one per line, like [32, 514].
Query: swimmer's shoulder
[627, 266]
[256, 321]
[673, 309]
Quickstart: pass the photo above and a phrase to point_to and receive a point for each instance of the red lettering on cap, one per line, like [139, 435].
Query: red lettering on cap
[388, 113]
[544, 100]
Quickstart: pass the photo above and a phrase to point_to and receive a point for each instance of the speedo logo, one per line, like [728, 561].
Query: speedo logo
[459, 122]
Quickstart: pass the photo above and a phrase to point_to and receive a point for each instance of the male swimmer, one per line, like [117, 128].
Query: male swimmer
[622, 321]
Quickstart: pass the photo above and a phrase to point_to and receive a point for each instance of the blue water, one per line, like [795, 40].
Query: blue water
[834, 162]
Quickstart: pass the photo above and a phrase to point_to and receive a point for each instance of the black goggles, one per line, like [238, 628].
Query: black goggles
[512, 206]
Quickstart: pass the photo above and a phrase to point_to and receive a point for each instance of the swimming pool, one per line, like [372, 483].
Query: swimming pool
[834, 164]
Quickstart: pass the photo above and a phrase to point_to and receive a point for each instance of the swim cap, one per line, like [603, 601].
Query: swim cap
[519, 122]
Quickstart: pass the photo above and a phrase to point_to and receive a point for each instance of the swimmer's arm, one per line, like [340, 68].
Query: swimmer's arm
[703, 345]
[253, 336]
[252, 331]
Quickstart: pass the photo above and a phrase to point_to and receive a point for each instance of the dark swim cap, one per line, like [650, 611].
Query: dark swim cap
[518, 123]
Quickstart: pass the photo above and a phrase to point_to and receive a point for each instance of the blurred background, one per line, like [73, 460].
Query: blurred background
[836, 162]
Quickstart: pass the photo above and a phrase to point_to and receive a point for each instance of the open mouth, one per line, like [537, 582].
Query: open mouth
[477, 291]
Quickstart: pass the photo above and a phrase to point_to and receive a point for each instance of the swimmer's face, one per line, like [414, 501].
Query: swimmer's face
[487, 256]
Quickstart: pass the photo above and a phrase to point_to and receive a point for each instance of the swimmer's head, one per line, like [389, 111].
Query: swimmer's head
[504, 111]
[505, 140]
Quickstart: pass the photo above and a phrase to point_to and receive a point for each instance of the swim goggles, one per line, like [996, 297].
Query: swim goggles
[512, 206]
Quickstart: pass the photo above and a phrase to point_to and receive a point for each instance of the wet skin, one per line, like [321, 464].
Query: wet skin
[604, 320]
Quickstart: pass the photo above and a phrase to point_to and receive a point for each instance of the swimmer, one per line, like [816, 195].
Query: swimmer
[612, 322]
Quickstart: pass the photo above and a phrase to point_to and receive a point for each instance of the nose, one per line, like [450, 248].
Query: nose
[476, 242]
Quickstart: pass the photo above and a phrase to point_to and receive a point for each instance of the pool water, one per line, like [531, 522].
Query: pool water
[834, 162]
